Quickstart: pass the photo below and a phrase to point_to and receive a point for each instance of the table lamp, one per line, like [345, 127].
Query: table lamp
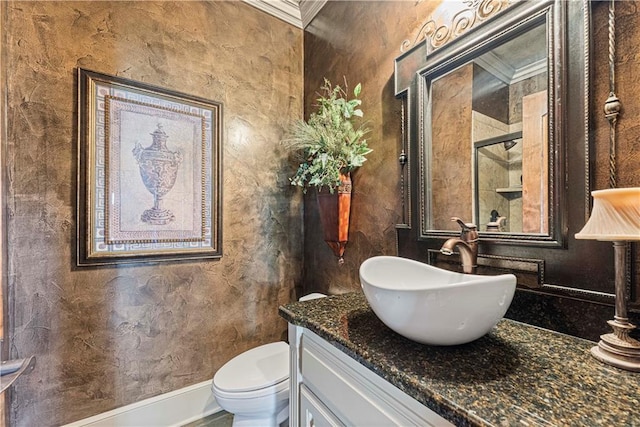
[616, 218]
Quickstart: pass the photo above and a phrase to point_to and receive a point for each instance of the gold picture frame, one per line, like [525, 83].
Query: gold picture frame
[149, 173]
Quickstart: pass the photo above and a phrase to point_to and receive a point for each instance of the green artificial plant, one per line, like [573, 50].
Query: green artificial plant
[330, 142]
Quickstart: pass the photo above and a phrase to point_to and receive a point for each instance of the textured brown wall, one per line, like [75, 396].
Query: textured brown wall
[452, 146]
[361, 40]
[627, 88]
[493, 102]
[106, 337]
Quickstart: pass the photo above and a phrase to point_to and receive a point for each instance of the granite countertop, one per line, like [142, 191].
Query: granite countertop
[517, 375]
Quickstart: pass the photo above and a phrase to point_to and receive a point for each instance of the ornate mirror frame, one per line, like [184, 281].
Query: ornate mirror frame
[550, 265]
[441, 60]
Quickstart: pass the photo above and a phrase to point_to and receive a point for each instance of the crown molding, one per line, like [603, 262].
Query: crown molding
[496, 66]
[530, 70]
[295, 12]
[506, 73]
[286, 10]
[309, 9]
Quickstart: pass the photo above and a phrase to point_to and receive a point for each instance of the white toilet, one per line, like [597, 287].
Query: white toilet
[254, 386]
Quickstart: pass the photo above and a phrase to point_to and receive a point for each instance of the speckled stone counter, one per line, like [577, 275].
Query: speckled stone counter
[517, 375]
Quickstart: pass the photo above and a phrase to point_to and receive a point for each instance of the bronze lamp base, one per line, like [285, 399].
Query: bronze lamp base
[618, 348]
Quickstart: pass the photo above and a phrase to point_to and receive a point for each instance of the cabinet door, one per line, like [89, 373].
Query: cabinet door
[313, 413]
[354, 394]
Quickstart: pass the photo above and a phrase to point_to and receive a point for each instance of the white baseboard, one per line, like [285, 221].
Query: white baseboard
[172, 409]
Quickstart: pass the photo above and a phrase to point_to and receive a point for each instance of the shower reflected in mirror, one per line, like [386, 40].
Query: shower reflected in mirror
[502, 194]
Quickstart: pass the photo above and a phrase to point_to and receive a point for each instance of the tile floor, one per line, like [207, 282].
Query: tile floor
[219, 419]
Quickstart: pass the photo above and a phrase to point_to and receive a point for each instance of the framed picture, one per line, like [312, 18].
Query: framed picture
[149, 173]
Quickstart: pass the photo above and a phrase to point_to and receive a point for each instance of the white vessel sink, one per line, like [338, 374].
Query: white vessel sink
[431, 305]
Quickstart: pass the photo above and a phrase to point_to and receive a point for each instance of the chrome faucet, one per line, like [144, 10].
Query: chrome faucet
[467, 244]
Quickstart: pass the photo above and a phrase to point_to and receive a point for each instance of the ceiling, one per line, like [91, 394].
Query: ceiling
[295, 12]
[519, 58]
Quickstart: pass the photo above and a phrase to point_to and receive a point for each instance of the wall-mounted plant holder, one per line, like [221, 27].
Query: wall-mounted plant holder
[334, 211]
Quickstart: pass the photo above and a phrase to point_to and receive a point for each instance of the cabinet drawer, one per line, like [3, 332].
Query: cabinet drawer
[313, 413]
[356, 395]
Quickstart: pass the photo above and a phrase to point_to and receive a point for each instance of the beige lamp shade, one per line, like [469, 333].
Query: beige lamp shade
[615, 215]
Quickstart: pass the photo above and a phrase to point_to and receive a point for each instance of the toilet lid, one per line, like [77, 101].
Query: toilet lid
[255, 369]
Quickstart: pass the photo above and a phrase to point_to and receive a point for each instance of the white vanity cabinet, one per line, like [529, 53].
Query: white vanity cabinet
[329, 388]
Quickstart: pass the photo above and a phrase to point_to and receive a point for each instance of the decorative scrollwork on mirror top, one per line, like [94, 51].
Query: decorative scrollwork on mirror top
[440, 34]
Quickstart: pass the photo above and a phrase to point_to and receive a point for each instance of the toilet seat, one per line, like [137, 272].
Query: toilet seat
[274, 390]
[256, 372]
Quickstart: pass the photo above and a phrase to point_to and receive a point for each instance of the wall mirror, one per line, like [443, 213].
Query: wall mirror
[504, 172]
[496, 130]
[489, 138]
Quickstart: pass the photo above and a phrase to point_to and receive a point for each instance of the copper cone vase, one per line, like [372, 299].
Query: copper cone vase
[334, 214]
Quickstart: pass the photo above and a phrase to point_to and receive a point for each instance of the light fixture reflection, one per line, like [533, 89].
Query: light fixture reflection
[508, 145]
